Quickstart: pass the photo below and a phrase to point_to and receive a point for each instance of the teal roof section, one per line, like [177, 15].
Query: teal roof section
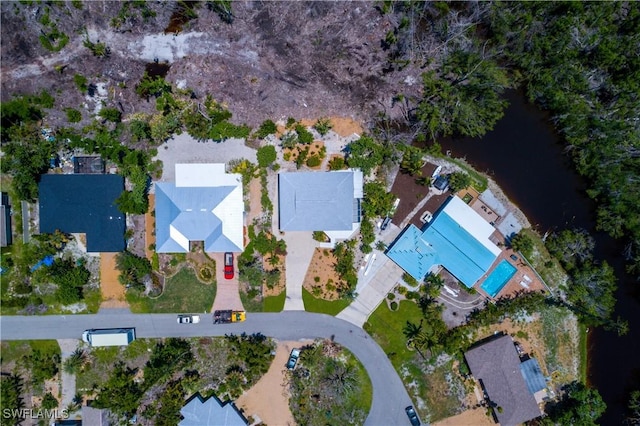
[446, 242]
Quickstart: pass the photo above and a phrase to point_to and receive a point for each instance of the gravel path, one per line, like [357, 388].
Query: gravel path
[68, 381]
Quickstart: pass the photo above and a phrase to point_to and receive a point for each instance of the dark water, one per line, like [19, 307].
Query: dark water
[525, 157]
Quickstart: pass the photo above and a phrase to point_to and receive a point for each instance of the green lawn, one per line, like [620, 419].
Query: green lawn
[183, 293]
[19, 349]
[274, 303]
[386, 328]
[331, 307]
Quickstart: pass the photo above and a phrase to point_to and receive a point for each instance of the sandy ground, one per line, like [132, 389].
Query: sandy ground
[112, 290]
[345, 127]
[268, 400]
[321, 269]
[473, 417]
[149, 225]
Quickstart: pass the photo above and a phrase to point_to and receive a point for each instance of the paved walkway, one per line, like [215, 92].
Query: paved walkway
[227, 291]
[67, 381]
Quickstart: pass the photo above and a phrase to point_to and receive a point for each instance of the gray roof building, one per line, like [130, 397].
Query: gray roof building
[319, 201]
[496, 365]
[96, 416]
[210, 412]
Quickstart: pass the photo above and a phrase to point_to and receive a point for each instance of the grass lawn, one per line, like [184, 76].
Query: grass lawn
[274, 303]
[331, 307]
[385, 326]
[183, 293]
[17, 350]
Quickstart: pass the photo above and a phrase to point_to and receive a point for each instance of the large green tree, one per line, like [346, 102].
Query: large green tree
[580, 405]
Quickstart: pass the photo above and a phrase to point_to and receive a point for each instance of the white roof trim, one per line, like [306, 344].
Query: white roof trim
[472, 222]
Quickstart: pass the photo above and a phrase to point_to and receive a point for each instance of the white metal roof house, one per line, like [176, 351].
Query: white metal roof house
[204, 204]
[320, 201]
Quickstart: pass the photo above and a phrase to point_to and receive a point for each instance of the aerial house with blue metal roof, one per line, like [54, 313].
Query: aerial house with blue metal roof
[457, 239]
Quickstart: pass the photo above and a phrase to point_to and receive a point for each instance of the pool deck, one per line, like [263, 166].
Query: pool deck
[524, 280]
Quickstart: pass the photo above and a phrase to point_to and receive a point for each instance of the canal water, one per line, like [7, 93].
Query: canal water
[526, 158]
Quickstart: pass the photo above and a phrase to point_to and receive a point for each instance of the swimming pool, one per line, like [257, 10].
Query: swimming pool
[498, 278]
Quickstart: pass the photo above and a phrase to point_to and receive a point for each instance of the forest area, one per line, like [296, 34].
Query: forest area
[577, 60]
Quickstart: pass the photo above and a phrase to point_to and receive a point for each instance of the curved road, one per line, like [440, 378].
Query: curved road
[389, 394]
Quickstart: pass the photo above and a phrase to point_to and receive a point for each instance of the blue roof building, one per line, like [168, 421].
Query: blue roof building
[204, 204]
[532, 375]
[457, 239]
[320, 201]
[84, 204]
[210, 412]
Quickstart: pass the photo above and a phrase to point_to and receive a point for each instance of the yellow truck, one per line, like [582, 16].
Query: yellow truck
[223, 317]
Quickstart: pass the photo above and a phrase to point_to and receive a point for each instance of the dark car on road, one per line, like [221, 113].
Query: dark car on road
[413, 416]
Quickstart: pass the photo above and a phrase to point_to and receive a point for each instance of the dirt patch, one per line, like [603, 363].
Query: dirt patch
[255, 207]
[149, 227]
[473, 417]
[268, 399]
[344, 126]
[315, 148]
[409, 191]
[321, 279]
[110, 287]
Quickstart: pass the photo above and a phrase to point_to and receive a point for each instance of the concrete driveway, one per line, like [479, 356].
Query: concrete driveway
[227, 291]
[184, 149]
[389, 395]
[300, 248]
[382, 275]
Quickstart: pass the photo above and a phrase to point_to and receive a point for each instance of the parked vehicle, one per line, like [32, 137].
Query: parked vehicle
[413, 416]
[293, 358]
[223, 317]
[228, 266]
[109, 336]
[188, 319]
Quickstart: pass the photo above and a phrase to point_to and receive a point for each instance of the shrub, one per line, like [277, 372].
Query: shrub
[290, 122]
[337, 163]
[320, 236]
[391, 296]
[323, 126]
[81, 82]
[289, 140]
[267, 128]
[393, 306]
[73, 115]
[313, 161]
[459, 180]
[286, 156]
[266, 156]
[304, 136]
[98, 49]
[111, 114]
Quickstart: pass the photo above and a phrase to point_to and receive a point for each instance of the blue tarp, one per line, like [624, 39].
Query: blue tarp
[532, 375]
[47, 261]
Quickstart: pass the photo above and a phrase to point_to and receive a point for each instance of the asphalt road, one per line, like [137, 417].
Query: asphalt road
[389, 394]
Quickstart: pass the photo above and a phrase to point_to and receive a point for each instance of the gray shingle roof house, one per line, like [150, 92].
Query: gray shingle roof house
[496, 365]
[319, 201]
[204, 204]
[210, 412]
[84, 203]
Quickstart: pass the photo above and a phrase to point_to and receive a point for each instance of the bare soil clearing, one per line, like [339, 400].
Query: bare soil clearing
[473, 417]
[112, 290]
[269, 398]
[321, 279]
[269, 63]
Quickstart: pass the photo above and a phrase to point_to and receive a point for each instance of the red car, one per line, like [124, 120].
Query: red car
[228, 266]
